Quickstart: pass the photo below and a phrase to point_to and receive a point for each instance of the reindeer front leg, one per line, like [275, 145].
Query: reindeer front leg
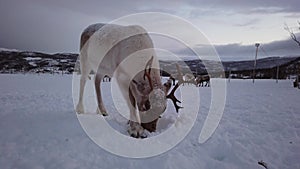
[134, 129]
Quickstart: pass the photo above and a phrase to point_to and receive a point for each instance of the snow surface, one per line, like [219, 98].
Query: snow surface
[32, 58]
[9, 50]
[39, 128]
[32, 63]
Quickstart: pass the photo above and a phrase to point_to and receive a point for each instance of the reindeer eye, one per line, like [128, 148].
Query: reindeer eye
[147, 105]
[141, 87]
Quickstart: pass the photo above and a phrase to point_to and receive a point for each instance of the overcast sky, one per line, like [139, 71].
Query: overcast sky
[233, 26]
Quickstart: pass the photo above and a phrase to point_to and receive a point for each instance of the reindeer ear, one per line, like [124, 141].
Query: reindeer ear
[147, 72]
[148, 67]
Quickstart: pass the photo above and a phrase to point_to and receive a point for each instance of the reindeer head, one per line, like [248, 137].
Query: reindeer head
[153, 95]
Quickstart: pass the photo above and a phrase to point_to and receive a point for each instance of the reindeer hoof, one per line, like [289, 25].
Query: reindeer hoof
[133, 133]
[138, 135]
[136, 130]
[79, 109]
[143, 135]
[103, 113]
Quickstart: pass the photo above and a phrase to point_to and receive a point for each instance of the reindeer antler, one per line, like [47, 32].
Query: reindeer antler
[147, 72]
[173, 98]
[171, 95]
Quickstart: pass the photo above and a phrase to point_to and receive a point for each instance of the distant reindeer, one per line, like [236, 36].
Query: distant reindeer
[201, 79]
[106, 78]
[189, 79]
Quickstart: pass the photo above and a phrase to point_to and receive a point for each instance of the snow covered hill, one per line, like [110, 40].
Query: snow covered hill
[13, 61]
[39, 129]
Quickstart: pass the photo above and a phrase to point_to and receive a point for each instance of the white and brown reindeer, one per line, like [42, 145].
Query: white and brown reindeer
[189, 79]
[103, 48]
[201, 79]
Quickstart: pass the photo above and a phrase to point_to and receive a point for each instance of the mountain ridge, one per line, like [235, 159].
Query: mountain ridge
[15, 61]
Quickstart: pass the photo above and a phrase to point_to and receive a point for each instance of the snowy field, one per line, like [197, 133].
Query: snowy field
[39, 129]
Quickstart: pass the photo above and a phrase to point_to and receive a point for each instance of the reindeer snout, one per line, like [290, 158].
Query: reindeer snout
[145, 106]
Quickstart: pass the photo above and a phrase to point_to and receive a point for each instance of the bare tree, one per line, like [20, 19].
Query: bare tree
[291, 32]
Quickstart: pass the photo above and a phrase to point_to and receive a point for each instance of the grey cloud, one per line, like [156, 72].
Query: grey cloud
[110, 9]
[247, 23]
[265, 6]
[265, 10]
[293, 15]
[55, 26]
[285, 47]
[238, 51]
[113, 8]
[38, 26]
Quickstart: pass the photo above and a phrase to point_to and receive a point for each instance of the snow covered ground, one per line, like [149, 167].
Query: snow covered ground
[39, 129]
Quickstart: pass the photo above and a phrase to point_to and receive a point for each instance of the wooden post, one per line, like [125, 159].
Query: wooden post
[256, 45]
[229, 76]
[62, 69]
[161, 71]
[277, 74]
[296, 82]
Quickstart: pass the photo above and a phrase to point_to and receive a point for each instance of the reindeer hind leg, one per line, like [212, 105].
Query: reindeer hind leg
[100, 109]
[80, 107]
[84, 70]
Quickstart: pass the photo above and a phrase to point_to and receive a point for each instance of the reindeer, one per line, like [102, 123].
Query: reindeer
[106, 78]
[103, 48]
[201, 79]
[189, 79]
